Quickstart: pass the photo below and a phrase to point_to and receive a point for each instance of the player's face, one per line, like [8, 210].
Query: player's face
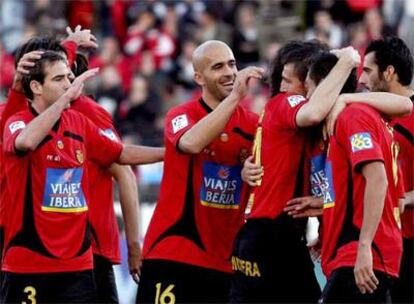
[290, 81]
[371, 78]
[219, 72]
[56, 82]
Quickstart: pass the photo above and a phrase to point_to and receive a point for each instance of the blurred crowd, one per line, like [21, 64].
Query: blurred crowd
[145, 46]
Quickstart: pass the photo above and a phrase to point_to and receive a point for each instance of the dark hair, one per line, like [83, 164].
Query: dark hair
[323, 64]
[80, 65]
[36, 44]
[301, 54]
[393, 51]
[37, 72]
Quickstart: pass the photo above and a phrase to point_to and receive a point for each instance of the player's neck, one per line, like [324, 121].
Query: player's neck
[401, 90]
[211, 101]
[39, 105]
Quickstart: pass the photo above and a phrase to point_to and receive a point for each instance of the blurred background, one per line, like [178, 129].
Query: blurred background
[145, 49]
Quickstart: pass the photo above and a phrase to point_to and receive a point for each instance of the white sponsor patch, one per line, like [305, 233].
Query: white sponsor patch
[294, 100]
[361, 141]
[17, 125]
[109, 133]
[179, 122]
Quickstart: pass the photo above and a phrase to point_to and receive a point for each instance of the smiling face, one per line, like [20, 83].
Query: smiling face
[215, 70]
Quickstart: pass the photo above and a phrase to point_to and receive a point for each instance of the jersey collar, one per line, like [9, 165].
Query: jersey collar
[35, 114]
[205, 106]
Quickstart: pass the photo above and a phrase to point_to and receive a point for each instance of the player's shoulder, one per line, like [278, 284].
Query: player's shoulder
[359, 110]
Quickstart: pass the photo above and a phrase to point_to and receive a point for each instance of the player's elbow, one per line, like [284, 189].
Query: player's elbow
[189, 146]
[25, 144]
[408, 107]
[314, 118]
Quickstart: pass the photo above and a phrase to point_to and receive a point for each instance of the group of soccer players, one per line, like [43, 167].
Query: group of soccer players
[237, 188]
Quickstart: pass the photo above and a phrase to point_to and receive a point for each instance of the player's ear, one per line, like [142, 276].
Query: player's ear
[198, 78]
[36, 87]
[389, 73]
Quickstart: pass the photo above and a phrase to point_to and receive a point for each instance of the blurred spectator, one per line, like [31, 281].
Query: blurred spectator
[210, 28]
[326, 30]
[246, 36]
[110, 55]
[109, 93]
[148, 34]
[138, 113]
[185, 71]
[12, 22]
[80, 12]
[6, 71]
[47, 16]
[375, 24]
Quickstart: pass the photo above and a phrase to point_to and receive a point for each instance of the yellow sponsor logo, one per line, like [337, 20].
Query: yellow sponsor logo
[249, 268]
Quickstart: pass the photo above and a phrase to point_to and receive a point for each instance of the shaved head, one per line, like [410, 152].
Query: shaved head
[205, 52]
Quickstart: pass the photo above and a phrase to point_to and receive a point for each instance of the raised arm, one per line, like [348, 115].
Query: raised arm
[322, 100]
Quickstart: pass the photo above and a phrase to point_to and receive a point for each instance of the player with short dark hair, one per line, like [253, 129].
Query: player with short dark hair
[47, 254]
[202, 199]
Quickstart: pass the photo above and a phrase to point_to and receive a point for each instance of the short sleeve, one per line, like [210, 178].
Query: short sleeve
[13, 127]
[103, 146]
[284, 110]
[177, 122]
[357, 131]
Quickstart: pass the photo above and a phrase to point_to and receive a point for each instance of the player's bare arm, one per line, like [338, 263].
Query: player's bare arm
[374, 197]
[390, 105]
[128, 197]
[322, 100]
[138, 155]
[203, 132]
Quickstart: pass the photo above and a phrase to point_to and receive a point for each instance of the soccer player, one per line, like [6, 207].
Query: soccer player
[200, 209]
[270, 257]
[388, 66]
[47, 255]
[343, 228]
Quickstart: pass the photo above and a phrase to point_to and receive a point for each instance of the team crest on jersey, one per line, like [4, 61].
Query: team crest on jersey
[322, 181]
[221, 186]
[79, 156]
[17, 125]
[63, 191]
[179, 122]
[60, 144]
[361, 141]
[294, 100]
[109, 133]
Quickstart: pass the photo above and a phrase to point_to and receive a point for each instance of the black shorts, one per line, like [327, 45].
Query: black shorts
[63, 287]
[341, 288]
[171, 282]
[105, 280]
[272, 264]
[403, 291]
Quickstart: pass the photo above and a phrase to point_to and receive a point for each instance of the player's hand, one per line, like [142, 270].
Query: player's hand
[306, 206]
[134, 261]
[315, 250]
[23, 68]
[348, 55]
[364, 275]
[83, 38]
[241, 82]
[330, 121]
[251, 173]
[75, 90]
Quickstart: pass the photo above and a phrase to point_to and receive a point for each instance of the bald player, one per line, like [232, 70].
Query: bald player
[202, 199]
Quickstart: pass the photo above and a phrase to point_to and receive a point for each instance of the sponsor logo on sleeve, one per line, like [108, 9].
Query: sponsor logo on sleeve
[361, 141]
[179, 122]
[322, 181]
[63, 191]
[294, 100]
[109, 133]
[17, 125]
[221, 186]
